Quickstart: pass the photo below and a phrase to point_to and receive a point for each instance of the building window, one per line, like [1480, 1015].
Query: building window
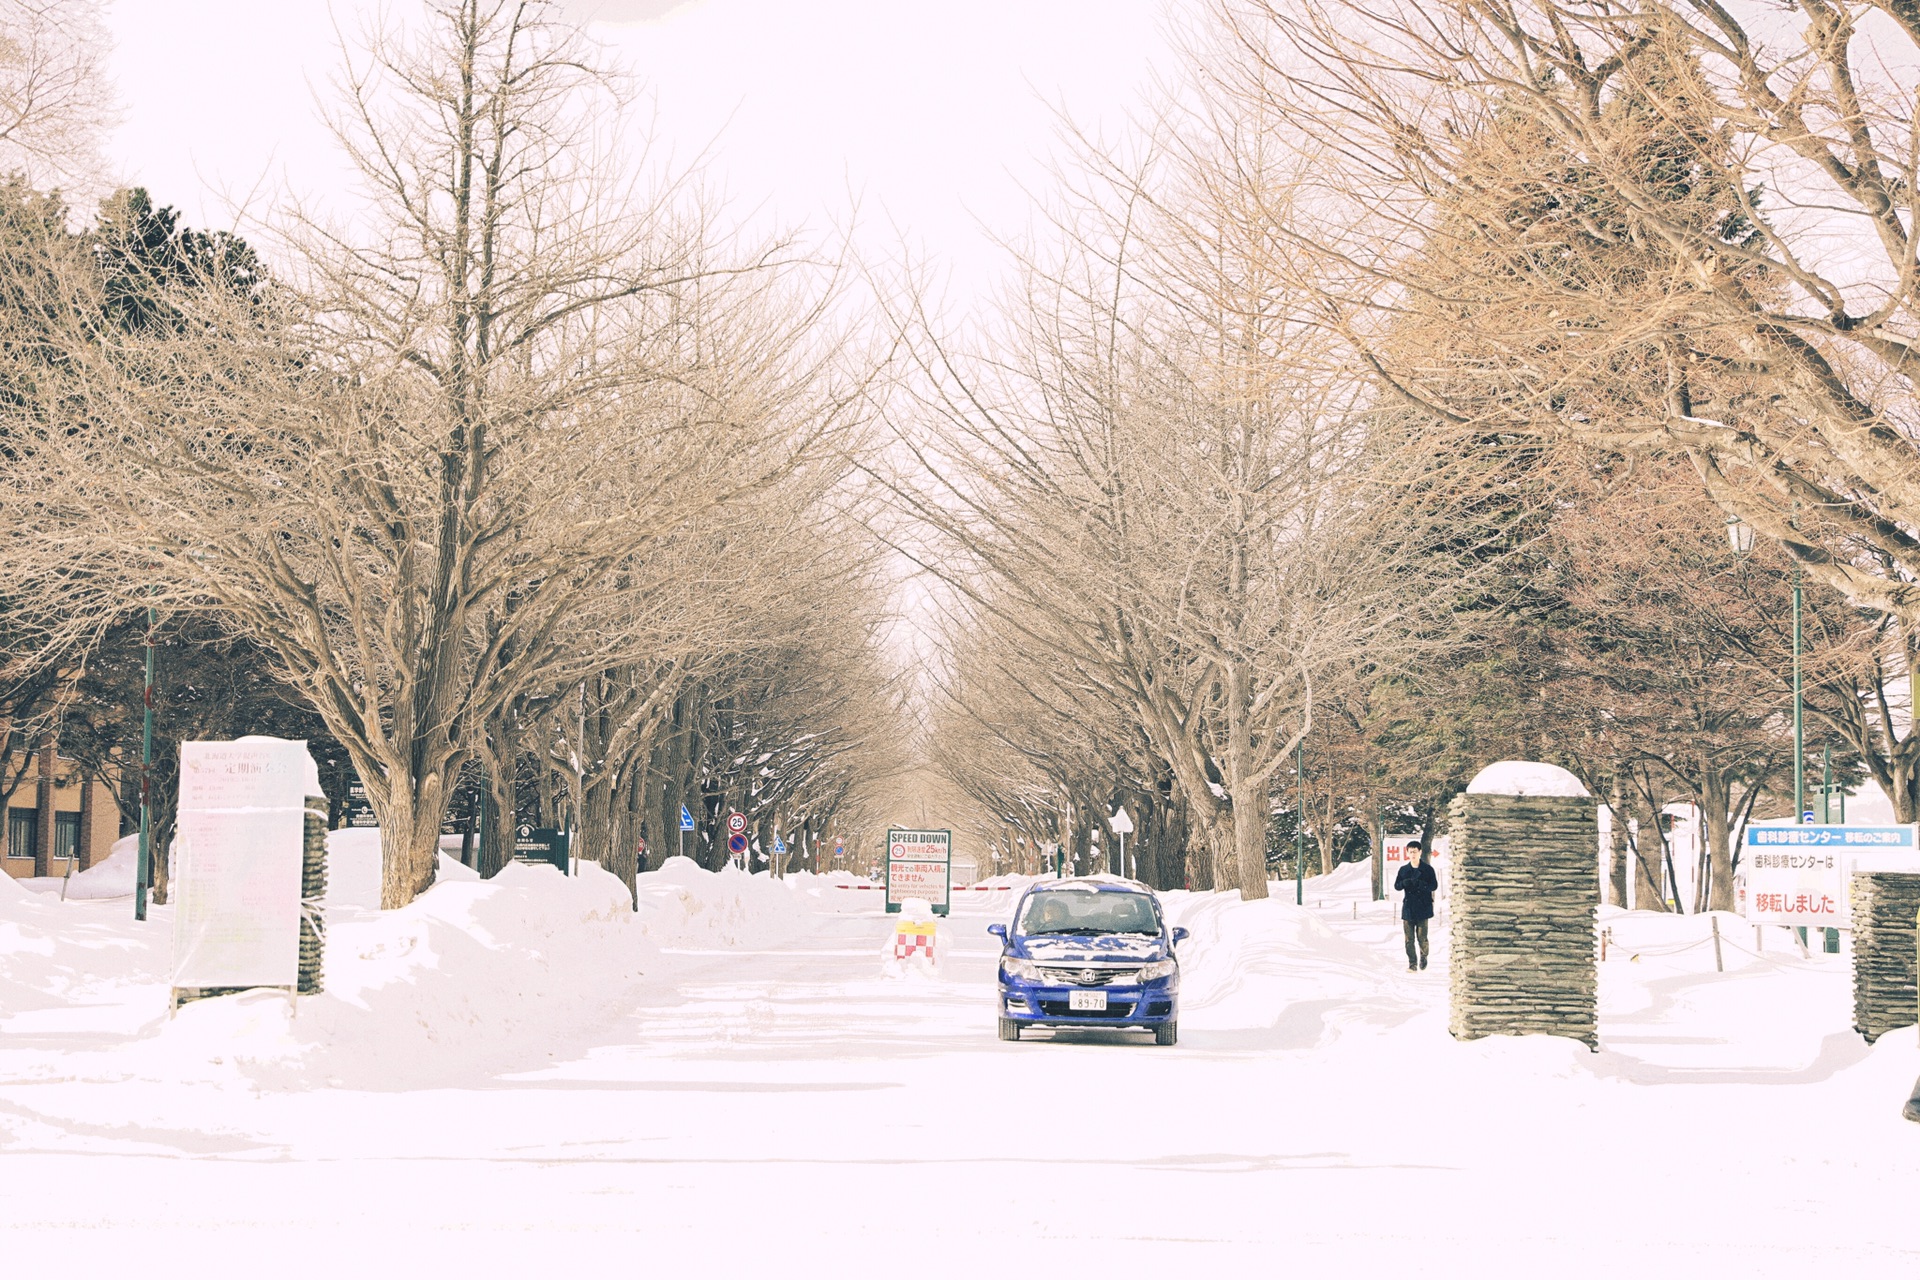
[66, 835]
[23, 832]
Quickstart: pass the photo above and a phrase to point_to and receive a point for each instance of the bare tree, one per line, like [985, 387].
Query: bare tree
[1171, 486]
[55, 101]
[1672, 223]
[404, 466]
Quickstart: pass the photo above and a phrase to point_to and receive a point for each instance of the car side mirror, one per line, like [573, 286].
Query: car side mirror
[1180, 935]
[998, 930]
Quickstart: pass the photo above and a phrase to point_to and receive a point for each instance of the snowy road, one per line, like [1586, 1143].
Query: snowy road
[766, 1102]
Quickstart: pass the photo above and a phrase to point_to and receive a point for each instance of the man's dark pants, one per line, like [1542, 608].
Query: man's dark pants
[1416, 931]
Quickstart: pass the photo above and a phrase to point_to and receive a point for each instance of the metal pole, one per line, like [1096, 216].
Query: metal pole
[1799, 742]
[1799, 737]
[143, 866]
[1826, 785]
[1300, 824]
[1380, 855]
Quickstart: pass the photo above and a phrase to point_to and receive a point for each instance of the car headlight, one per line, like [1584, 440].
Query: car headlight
[1026, 970]
[1159, 969]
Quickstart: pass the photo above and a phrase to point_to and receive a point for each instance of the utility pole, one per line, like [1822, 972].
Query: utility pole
[1300, 823]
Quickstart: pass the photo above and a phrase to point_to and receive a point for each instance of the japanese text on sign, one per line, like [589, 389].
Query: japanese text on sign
[919, 865]
[1797, 875]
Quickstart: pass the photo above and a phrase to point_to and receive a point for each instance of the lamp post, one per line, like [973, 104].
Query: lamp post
[1300, 823]
[1740, 538]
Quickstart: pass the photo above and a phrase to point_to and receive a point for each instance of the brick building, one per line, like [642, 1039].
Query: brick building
[53, 816]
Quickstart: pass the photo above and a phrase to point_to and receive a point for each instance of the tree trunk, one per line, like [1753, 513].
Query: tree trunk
[1376, 824]
[409, 838]
[500, 803]
[1717, 802]
[43, 805]
[1645, 848]
[1617, 857]
[1247, 870]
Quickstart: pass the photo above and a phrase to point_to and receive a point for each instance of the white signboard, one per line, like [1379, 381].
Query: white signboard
[919, 865]
[236, 872]
[1398, 852]
[1797, 875]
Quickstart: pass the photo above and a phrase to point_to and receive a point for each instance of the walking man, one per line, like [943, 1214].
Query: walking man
[1416, 883]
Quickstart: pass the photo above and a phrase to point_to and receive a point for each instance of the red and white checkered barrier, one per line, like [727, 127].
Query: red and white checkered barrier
[911, 940]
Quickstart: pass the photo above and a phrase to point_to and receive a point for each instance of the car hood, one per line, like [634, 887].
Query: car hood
[1085, 948]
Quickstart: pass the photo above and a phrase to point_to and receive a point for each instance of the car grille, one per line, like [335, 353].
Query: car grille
[1060, 1009]
[1090, 977]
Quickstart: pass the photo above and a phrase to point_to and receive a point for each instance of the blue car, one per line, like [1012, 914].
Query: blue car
[1089, 953]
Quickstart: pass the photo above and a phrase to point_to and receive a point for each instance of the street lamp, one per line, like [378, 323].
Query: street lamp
[1300, 823]
[1740, 538]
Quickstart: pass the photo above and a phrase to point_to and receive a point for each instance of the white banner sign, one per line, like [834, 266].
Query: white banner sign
[1398, 852]
[919, 865]
[237, 863]
[1797, 874]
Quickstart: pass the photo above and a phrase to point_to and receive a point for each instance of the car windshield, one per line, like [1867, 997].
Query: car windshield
[1079, 911]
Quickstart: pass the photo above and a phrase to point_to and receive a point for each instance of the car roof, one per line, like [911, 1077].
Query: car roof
[1092, 884]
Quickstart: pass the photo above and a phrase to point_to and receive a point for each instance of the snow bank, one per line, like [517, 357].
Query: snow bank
[1245, 964]
[112, 877]
[682, 905]
[353, 868]
[470, 979]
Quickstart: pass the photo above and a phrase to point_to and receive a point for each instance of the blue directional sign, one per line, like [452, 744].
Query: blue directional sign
[779, 845]
[1831, 836]
[686, 819]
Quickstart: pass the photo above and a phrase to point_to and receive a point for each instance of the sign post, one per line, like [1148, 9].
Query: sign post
[1798, 876]
[1395, 853]
[1122, 824]
[545, 845]
[737, 840]
[686, 825]
[919, 865]
[242, 826]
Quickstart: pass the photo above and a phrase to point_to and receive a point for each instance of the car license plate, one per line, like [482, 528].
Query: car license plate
[1087, 1001]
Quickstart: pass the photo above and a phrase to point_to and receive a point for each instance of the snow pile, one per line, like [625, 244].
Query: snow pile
[112, 877]
[470, 979]
[1525, 778]
[353, 868]
[682, 905]
[1245, 964]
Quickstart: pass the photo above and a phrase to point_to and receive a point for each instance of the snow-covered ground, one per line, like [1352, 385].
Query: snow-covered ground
[520, 1076]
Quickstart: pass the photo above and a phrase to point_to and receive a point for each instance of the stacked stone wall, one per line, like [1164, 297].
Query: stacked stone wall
[313, 893]
[1885, 943]
[1525, 899]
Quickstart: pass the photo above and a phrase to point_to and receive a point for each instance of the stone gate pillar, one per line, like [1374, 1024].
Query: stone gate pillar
[1885, 905]
[1525, 896]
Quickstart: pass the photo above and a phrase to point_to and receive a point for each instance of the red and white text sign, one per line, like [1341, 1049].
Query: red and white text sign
[1398, 852]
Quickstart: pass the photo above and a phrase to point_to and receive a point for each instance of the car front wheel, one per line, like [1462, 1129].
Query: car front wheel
[1009, 1029]
[1166, 1033]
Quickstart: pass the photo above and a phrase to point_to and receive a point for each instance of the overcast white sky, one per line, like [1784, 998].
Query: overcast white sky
[933, 112]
